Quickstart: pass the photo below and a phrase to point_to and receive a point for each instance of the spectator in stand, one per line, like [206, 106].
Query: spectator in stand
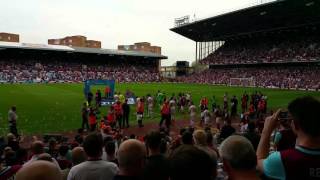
[239, 158]
[187, 138]
[78, 156]
[156, 164]
[252, 135]
[13, 142]
[37, 149]
[227, 130]
[285, 137]
[94, 167]
[301, 162]
[39, 170]
[110, 149]
[200, 141]
[52, 148]
[63, 162]
[131, 156]
[8, 172]
[126, 114]
[189, 163]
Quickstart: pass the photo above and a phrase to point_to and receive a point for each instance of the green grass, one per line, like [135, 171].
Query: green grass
[45, 108]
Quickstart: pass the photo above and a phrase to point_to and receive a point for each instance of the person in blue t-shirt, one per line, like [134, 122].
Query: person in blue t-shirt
[302, 161]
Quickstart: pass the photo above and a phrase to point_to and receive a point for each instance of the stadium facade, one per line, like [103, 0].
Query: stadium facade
[76, 41]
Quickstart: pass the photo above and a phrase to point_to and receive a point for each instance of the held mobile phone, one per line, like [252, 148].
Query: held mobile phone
[283, 115]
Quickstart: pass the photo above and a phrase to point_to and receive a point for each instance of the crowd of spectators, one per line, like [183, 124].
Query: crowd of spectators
[192, 154]
[46, 71]
[278, 77]
[266, 50]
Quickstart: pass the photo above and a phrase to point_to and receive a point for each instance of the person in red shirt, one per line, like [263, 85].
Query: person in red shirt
[140, 111]
[118, 112]
[165, 115]
[251, 111]
[244, 102]
[107, 91]
[92, 120]
[111, 118]
[261, 107]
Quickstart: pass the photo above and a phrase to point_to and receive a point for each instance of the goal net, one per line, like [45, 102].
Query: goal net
[245, 82]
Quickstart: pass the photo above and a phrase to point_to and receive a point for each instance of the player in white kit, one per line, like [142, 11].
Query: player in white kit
[192, 111]
[150, 106]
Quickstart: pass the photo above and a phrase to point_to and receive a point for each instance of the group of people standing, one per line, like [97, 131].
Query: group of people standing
[117, 113]
[252, 107]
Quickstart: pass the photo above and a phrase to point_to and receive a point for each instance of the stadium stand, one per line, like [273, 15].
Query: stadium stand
[21, 63]
[268, 77]
[272, 47]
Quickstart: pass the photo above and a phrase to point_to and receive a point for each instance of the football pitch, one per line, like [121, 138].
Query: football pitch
[52, 108]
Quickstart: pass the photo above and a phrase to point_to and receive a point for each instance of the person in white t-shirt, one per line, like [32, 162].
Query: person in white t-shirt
[172, 104]
[192, 111]
[150, 106]
[94, 167]
[207, 117]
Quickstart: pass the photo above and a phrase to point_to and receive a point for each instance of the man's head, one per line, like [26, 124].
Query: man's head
[189, 162]
[39, 170]
[45, 157]
[11, 137]
[92, 145]
[37, 147]
[187, 138]
[78, 156]
[200, 137]
[63, 150]
[305, 114]
[153, 141]
[13, 108]
[131, 157]
[110, 148]
[238, 154]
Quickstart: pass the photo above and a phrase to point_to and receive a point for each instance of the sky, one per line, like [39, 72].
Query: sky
[113, 22]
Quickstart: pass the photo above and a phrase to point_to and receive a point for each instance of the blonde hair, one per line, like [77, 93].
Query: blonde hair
[200, 137]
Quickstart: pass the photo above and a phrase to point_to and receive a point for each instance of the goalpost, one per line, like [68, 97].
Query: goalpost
[245, 82]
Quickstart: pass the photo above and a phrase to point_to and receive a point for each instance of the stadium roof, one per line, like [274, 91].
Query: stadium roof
[44, 47]
[277, 15]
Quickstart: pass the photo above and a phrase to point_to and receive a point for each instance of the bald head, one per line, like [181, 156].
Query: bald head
[45, 157]
[78, 156]
[238, 152]
[131, 155]
[39, 170]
